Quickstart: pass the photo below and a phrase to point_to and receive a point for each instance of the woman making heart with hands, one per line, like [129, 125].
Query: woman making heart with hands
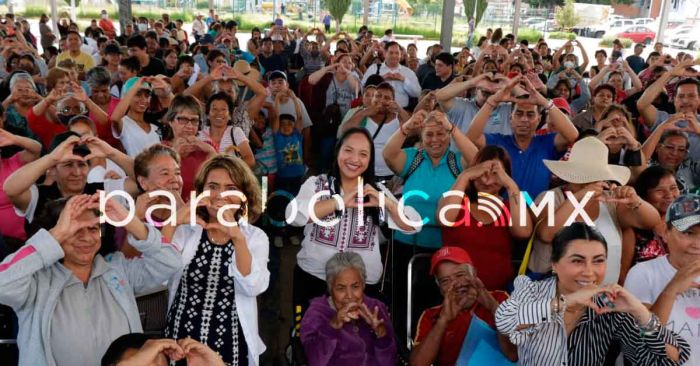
[487, 238]
[619, 134]
[668, 146]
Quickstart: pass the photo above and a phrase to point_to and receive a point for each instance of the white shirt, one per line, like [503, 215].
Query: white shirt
[410, 87]
[380, 167]
[97, 173]
[321, 243]
[647, 280]
[186, 240]
[134, 138]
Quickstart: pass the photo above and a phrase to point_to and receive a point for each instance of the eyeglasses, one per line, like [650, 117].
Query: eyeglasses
[678, 149]
[184, 120]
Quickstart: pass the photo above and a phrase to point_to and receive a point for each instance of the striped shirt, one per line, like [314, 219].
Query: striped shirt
[545, 342]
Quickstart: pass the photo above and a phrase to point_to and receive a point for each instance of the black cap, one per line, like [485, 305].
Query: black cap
[206, 39]
[277, 74]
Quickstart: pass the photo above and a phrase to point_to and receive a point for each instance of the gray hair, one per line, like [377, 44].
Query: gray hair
[61, 103]
[342, 261]
[21, 76]
[98, 76]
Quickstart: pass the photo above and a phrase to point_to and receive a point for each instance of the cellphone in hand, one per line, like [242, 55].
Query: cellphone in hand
[604, 300]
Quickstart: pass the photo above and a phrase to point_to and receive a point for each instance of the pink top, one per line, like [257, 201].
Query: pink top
[10, 224]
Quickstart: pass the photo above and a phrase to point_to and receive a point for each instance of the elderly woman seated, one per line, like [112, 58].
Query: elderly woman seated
[70, 301]
[346, 327]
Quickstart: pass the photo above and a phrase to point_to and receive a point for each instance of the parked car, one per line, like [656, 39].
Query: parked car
[643, 21]
[599, 31]
[687, 39]
[638, 34]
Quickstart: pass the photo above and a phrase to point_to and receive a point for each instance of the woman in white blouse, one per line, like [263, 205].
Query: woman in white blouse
[213, 300]
[572, 317]
[220, 133]
[327, 206]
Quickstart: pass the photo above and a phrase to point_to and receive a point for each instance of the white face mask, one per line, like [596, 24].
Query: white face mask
[143, 27]
[569, 64]
[104, 16]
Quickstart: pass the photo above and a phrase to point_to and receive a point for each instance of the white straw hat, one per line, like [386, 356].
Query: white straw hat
[588, 162]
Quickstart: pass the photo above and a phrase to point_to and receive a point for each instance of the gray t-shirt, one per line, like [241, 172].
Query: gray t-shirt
[345, 95]
[86, 320]
[464, 110]
[288, 108]
[694, 151]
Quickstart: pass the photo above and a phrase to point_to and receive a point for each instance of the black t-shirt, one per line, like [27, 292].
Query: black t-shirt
[433, 82]
[272, 63]
[154, 67]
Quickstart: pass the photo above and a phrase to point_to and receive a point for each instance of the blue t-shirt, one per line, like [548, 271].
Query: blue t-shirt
[289, 154]
[528, 169]
[423, 191]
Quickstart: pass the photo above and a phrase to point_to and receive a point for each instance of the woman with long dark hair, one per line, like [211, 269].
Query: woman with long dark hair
[573, 318]
[341, 211]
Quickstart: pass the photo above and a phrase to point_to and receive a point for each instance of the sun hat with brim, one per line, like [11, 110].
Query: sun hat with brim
[588, 163]
[684, 212]
[130, 84]
[244, 68]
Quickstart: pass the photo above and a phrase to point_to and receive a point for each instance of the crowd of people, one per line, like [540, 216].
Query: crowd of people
[553, 199]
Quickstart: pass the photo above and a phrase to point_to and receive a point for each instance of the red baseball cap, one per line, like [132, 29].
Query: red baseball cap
[561, 103]
[452, 254]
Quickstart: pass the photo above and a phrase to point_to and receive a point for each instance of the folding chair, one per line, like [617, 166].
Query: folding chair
[423, 293]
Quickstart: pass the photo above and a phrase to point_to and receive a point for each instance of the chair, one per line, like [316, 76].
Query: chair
[153, 310]
[423, 293]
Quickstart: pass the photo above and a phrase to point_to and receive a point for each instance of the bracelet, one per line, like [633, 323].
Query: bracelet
[549, 106]
[651, 326]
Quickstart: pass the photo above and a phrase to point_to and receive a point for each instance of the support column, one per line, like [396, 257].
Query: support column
[448, 17]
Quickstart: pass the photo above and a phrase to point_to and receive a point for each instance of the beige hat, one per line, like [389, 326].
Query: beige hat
[243, 67]
[588, 163]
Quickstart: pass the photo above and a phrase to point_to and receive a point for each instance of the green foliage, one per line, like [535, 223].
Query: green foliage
[607, 2]
[481, 6]
[35, 11]
[562, 35]
[566, 15]
[77, 2]
[608, 42]
[532, 35]
[545, 3]
[338, 8]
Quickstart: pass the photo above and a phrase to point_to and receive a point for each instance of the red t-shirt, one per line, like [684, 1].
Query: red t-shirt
[489, 247]
[189, 167]
[44, 128]
[456, 331]
[104, 131]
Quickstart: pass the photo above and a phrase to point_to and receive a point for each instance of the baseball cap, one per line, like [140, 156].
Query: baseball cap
[561, 103]
[684, 212]
[277, 74]
[452, 254]
[206, 39]
[130, 84]
[640, 45]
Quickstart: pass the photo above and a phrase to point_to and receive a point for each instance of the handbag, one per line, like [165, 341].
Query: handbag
[481, 346]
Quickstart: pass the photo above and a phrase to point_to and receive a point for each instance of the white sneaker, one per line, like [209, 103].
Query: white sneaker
[295, 240]
[278, 242]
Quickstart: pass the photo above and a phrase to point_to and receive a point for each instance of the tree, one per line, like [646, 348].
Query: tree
[338, 8]
[124, 14]
[566, 15]
[481, 6]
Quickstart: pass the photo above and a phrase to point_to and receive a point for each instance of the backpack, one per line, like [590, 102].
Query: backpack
[419, 158]
[331, 117]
